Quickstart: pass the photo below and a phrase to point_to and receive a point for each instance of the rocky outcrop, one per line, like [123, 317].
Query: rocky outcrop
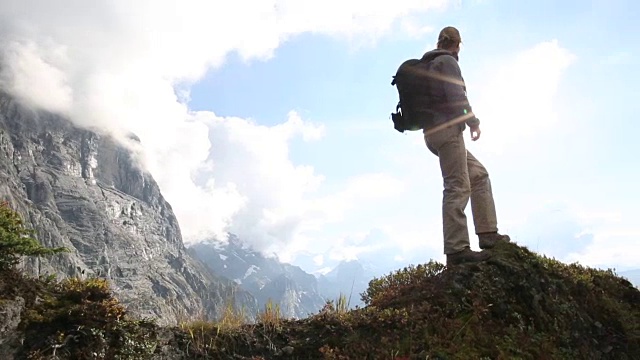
[84, 191]
[10, 317]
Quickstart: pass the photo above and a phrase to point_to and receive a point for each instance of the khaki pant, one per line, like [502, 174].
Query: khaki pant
[464, 177]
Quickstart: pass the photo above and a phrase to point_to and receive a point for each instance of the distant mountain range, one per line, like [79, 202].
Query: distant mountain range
[297, 292]
[266, 278]
[349, 278]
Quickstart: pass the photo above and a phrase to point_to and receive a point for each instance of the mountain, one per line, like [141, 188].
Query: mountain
[350, 279]
[266, 278]
[83, 190]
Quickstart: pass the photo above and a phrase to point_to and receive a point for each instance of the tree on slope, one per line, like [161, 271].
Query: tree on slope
[17, 241]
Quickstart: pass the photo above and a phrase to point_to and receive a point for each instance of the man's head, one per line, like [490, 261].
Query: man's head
[449, 39]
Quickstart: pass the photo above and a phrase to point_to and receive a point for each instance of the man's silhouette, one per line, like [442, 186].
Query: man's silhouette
[464, 176]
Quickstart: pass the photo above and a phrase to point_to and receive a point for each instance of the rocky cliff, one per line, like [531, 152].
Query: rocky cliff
[82, 190]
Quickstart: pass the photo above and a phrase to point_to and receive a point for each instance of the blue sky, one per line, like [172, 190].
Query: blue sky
[270, 119]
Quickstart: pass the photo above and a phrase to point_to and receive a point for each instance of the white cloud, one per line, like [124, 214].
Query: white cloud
[31, 76]
[254, 161]
[360, 191]
[613, 248]
[125, 49]
[518, 101]
[615, 240]
[127, 66]
[386, 246]
[414, 28]
[323, 271]
[587, 231]
[353, 17]
[324, 223]
[553, 229]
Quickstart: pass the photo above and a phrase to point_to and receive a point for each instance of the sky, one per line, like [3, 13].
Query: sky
[269, 119]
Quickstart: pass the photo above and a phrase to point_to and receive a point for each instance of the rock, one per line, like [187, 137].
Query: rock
[10, 339]
[287, 350]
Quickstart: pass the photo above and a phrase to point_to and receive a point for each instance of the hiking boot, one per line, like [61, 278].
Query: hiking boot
[467, 256]
[489, 240]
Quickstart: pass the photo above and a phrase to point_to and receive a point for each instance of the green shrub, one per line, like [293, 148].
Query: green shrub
[80, 319]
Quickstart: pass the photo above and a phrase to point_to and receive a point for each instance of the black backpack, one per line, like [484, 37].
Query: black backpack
[414, 89]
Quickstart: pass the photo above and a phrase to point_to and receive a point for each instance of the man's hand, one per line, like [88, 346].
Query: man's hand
[475, 132]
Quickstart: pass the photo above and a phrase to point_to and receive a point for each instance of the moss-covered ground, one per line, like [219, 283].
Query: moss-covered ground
[518, 305]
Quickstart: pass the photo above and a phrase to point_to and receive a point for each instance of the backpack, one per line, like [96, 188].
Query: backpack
[415, 100]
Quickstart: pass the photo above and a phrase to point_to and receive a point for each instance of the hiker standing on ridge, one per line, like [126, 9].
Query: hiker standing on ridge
[464, 176]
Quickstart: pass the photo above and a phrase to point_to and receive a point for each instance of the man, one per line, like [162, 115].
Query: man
[464, 176]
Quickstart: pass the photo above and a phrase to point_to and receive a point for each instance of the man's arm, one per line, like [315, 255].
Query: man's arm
[455, 91]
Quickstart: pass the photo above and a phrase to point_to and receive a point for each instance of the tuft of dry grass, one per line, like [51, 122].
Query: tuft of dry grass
[270, 317]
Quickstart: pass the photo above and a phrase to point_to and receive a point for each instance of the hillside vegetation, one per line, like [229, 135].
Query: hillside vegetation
[518, 305]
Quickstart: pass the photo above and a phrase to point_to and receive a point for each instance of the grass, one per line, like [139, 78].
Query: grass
[270, 317]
